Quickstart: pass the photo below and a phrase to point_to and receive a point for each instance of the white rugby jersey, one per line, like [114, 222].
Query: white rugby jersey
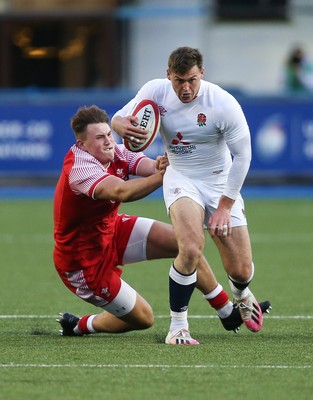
[207, 138]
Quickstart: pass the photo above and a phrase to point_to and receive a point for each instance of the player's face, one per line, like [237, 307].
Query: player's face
[186, 86]
[99, 142]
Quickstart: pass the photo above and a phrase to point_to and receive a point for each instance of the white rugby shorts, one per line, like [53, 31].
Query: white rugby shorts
[125, 299]
[206, 194]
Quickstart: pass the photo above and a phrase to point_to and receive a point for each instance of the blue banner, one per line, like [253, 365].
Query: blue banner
[34, 138]
[282, 137]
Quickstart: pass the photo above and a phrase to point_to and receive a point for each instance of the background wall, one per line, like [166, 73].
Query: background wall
[249, 56]
[246, 58]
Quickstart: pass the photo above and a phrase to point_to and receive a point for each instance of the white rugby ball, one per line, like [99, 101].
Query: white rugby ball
[148, 115]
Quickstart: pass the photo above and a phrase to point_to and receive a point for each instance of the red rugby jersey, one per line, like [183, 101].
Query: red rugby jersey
[83, 226]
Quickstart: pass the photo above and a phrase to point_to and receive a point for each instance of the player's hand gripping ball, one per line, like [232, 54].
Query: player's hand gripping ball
[148, 115]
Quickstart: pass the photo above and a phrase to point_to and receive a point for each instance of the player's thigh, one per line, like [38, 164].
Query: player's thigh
[161, 241]
[187, 218]
[150, 239]
[235, 250]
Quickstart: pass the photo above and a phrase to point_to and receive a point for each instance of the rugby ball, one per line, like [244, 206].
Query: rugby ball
[148, 115]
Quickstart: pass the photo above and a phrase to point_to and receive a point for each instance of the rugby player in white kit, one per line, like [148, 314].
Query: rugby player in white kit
[207, 140]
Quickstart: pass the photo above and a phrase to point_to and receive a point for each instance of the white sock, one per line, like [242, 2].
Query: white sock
[225, 311]
[179, 320]
[214, 292]
[238, 293]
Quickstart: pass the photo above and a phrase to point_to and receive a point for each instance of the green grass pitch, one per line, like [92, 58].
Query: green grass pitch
[276, 363]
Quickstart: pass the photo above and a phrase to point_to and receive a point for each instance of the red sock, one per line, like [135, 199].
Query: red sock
[219, 300]
[83, 325]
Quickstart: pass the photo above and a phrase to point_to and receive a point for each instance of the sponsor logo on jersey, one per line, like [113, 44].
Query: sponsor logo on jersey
[180, 146]
[201, 119]
[180, 140]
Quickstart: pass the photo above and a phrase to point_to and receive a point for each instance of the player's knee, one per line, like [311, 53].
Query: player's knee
[148, 322]
[242, 272]
[146, 319]
[191, 252]
[143, 317]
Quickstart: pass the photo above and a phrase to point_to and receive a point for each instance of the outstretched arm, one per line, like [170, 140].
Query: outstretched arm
[116, 189]
[148, 166]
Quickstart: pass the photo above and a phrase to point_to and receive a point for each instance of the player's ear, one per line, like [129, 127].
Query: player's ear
[201, 73]
[168, 74]
[80, 144]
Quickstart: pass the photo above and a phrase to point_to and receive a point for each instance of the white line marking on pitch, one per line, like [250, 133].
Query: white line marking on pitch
[24, 316]
[161, 366]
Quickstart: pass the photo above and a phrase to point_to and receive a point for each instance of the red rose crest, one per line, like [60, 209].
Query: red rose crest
[201, 120]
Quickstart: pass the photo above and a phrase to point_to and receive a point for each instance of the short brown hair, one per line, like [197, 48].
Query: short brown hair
[87, 115]
[183, 59]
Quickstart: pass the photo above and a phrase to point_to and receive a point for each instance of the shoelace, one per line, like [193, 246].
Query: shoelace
[245, 308]
[183, 334]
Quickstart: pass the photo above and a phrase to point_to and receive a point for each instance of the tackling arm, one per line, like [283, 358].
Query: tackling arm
[116, 189]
